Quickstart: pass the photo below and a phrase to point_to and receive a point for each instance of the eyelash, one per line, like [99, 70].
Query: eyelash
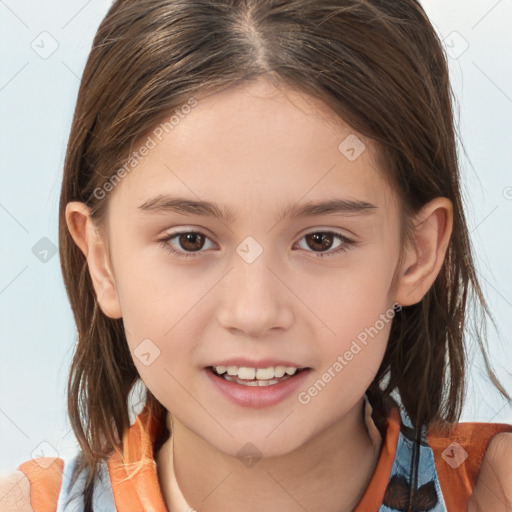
[347, 244]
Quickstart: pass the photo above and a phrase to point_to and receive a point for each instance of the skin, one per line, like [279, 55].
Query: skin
[257, 149]
[493, 489]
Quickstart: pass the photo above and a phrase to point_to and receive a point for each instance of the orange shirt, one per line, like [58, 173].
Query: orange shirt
[449, 465]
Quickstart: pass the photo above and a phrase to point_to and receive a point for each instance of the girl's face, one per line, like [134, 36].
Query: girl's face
[273, 280]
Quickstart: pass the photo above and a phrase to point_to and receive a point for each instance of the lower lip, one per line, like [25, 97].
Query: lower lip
[257, 397]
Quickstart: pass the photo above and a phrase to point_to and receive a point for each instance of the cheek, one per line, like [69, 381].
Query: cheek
[157, 310]
[353, 298]
[163, 349]
[357, 312]
[155, 294]
[349, 364]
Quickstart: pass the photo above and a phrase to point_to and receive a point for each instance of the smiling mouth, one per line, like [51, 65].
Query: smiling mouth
[260, 382]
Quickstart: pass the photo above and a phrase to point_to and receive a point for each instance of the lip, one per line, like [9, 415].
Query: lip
[257, 397]
[262, 363]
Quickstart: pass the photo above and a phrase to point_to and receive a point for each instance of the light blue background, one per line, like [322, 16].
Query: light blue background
[37, 97]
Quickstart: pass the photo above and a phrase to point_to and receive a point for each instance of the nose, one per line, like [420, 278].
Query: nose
[254, 299]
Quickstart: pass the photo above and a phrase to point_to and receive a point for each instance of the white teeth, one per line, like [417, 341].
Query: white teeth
[279, 371]
[263, 374]
[246, 373]
[260, 383]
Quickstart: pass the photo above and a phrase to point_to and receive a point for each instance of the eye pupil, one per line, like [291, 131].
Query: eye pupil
[188, 241]
[324, 239]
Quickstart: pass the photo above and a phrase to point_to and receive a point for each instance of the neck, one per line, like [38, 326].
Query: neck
[330, 472]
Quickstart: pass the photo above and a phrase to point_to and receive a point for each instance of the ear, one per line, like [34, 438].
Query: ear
[86, 236]
[424, 258]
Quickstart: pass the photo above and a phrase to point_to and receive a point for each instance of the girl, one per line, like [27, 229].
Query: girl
[261, 220]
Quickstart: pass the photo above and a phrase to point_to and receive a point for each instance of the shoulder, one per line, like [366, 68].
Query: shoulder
[493, 490]
[467, 457]
[35, 484]
[15, 493]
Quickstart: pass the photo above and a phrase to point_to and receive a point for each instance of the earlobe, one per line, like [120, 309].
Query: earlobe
[424, 258]
[86, 236]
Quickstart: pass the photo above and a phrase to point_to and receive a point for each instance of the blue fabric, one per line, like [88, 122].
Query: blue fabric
[70, 499]
[427, 473]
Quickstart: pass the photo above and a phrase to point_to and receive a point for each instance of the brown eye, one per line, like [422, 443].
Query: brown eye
[185, 243]
[320, 241]
[191, 241]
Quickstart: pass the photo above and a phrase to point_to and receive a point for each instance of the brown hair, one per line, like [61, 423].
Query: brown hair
[377, 64]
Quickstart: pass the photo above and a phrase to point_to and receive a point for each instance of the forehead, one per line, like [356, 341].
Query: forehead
[255, 146]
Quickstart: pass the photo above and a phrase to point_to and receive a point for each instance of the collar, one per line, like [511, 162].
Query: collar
[177, 500]
[135, 483]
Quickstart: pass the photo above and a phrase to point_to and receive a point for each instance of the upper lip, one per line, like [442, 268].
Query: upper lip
[262, 363]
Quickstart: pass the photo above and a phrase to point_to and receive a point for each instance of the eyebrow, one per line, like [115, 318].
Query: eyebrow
[337, 206]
